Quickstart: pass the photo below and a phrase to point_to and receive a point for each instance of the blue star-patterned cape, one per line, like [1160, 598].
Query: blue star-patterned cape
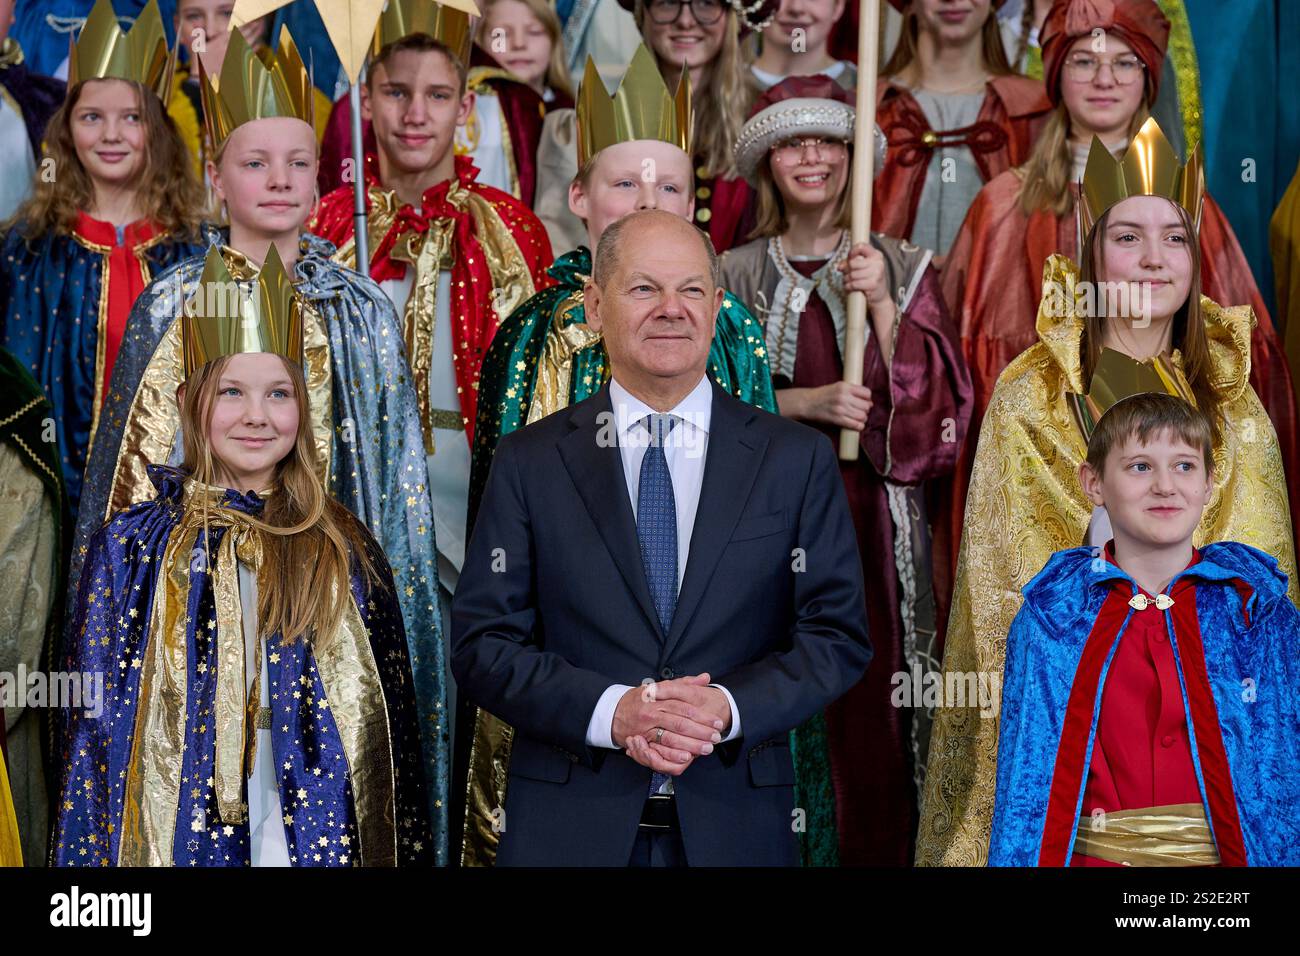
[351, 790]
[53, 310]
[377, 467]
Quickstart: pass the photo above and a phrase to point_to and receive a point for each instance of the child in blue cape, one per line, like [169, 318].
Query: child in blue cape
[1150, 713]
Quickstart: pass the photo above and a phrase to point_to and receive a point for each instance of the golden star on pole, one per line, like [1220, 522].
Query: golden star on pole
[349, 23]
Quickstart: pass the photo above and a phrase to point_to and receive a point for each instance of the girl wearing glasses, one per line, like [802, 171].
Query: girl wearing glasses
[955, 115]
[704, 37]
[795, 151]
[993, 276]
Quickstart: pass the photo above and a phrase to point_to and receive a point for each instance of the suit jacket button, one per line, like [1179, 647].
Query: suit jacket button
[666, 673]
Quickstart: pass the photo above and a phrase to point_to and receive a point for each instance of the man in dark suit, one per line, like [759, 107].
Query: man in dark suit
[661, 584]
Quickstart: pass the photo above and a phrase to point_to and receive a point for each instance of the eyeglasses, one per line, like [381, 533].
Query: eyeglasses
[705, 12]
[1083, 68]
[792, 150]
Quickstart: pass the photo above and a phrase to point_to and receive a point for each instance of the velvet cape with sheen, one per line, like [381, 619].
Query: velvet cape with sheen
[376, 466]
[871, 751]
[1238, 624]
[113, 630]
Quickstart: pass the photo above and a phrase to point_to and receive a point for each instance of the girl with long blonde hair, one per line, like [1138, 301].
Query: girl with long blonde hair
[364, 411]
[703, 37]
[262, 645]
[114, 203]
[524, 37]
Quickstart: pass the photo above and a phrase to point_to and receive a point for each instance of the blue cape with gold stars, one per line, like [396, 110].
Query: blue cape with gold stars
[141, 782]
[367, 425]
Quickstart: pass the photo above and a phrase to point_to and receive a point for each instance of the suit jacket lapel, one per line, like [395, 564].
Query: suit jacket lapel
[730, 468]
[590, 453]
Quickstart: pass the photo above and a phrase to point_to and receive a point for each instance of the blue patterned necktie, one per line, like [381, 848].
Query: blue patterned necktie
[656, 530]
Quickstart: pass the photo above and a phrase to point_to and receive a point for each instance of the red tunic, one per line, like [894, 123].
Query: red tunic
[1014, 111]
[474, 296]
[1142, 754]
[126, 276]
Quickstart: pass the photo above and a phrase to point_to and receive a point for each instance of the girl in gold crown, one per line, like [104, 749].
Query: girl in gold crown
[258, 708]
[364, 411]
[1025, 501]
[115, 203]
[993, 275]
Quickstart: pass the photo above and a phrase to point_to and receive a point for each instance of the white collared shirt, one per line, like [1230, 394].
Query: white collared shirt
[685, 448]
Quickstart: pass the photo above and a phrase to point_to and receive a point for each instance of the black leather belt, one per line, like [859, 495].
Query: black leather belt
[660, 812]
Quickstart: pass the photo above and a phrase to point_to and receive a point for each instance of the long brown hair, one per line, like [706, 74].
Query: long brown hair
[557, 70]
[308, 537]
[905, 50]
[1047, 174]
[1188, 323]
[720, 102]
[770, 214]
[169, 194]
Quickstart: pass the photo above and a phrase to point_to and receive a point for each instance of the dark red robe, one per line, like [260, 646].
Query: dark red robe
[869, 738]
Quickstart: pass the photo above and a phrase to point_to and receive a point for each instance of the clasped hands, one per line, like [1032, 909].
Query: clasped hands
[691, 715]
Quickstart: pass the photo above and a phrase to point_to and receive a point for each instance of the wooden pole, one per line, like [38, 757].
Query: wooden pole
[864, 152]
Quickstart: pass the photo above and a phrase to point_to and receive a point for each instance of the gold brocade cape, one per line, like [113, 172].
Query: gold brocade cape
[1025, 503]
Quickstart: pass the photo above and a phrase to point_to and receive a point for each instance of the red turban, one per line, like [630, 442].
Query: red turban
[1139, 23]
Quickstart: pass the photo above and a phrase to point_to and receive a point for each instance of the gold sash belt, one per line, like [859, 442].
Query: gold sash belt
[1174, 835]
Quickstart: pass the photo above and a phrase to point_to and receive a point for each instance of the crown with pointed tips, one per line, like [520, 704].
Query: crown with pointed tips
[1119, 376]
[223, 319]
[642, 108]
[102, 51]
[1149, 167]
[448, 23]
[255, 85]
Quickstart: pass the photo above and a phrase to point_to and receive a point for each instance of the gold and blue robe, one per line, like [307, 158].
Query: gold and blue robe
[369, 445]
[155, 771]
[55, 300]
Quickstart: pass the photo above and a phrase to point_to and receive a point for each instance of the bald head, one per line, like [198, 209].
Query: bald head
[654, 298]
[644, 230]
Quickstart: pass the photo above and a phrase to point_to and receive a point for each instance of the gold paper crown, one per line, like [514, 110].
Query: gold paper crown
[103, 51]
[1117, 377]
[448, 23]
[1149, 168]
[642, 108]
[255, 85]
[222, 319]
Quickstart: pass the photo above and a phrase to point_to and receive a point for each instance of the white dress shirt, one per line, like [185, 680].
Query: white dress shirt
[684, 450]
